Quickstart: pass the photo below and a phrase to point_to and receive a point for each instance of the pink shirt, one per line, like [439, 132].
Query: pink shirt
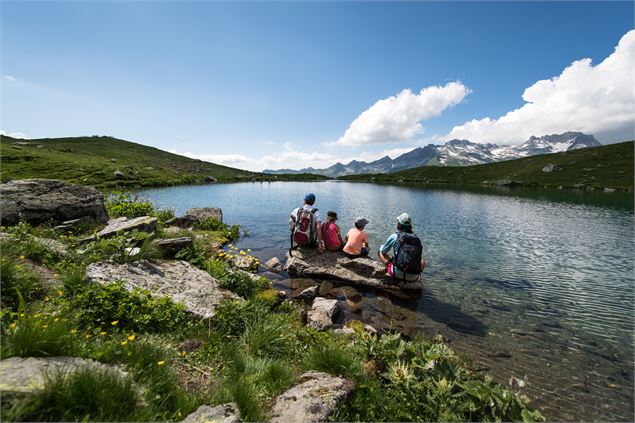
[329, 235]
[356, 238]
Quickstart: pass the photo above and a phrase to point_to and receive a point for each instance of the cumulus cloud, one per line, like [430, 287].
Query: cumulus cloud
[9, 78]
[13, 134]
[598, 100]
[398, 118]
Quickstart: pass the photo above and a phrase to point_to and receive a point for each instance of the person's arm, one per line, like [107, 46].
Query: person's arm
[318, 228]
[339, 235]
[366, 241]
[385, 249]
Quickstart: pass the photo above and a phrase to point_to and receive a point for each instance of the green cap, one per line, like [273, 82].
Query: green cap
[404, 219]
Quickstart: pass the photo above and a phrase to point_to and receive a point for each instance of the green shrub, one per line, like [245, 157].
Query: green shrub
[230, 233]
[237, 282]
[39, 336]
[137, 310]
[332, 357]
[232, 317]
[272, 336]
[16, 280]
[125, 205]
[88, 394]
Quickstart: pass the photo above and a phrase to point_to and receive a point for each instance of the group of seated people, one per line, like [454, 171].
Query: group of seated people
[401, 253]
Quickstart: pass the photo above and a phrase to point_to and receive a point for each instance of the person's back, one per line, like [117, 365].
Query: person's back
[406, 262]
[331, 233]
[357, 244]
[305, 225]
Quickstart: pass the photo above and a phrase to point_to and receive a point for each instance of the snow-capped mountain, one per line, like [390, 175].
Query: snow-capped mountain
[457, 153]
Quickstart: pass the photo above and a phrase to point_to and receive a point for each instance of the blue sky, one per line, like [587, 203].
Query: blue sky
[291, 84]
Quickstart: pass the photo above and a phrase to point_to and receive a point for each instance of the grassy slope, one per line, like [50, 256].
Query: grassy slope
[94, 160]
[597, 167]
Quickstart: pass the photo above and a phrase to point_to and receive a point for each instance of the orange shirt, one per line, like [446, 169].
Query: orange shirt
[356, 238]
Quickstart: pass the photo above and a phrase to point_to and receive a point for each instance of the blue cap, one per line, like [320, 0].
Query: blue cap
[309, 197]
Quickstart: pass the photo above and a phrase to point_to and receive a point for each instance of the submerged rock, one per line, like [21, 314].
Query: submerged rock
[38, 201]
[312, 400]
[23, 376]
[322, 313]
[274, 265]
[336, 266]
[199, 292]
[225, 413]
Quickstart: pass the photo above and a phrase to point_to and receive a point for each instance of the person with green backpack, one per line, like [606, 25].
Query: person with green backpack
[406, 262]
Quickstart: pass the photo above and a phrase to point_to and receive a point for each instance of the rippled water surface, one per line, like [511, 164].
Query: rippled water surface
[526, 282]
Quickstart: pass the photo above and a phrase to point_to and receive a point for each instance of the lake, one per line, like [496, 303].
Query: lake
[526, 282]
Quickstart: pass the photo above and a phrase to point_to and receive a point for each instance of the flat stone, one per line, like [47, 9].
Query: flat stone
[123, 224]
[226, 413]
[322, 313]
[169, 247]
[38, 201]
[274, 265]
[22, 376]
[53, 245]
[308, 294]
[178, 280]
[335, 266]
[313, 399]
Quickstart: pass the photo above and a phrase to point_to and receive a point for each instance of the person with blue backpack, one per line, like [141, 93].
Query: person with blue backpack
[406, 262]
[305, 225]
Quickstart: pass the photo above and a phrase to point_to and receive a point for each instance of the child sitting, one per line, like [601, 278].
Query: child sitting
[331, 233]
[357, 244]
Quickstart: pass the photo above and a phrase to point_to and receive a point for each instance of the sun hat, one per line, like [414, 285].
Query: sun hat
[360, 222]
[404, 219]
[309, 197]
[332, 214]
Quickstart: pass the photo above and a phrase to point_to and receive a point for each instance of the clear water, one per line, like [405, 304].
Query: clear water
[528, 283]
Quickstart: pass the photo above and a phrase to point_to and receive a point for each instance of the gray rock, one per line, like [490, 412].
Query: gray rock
[274, 265]
[53, 245]
[308, 294]
[123, 224]
[345, 331]
[40, 200]
[322, 313]
[335, 266]
[609, 189]
[202, 213]
[312, 400]
[119, 174]
[550, 168]
[210, 179]
[195, 289]
[226, 413]
[22, 376]
[169, 247]
[507, 183]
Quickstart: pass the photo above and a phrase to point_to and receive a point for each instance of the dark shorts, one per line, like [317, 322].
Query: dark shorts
[364, 253]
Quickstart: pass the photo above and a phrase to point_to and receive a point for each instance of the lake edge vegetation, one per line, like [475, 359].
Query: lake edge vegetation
[251, 350]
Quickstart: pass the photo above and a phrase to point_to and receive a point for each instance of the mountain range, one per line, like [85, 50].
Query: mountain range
[455, 153]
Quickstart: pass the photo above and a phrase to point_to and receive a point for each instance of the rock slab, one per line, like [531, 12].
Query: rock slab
[312, 400]
[178, 280]
[202, 213]
[22, 376]
[335, 266]
[38, 201]
[225, 413]
[124, 224]
[322, 313]
[169, 247]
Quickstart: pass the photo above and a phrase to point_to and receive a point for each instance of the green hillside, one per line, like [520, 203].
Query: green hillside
[94, 161]
[608, 166]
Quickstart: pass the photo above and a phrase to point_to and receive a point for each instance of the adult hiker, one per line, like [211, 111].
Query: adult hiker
[406, 262]
[305, 225]
[357, 244]
[331, 233]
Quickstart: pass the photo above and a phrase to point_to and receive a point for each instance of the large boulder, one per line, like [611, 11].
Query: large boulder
[202, 213]
[322, 313]
[38, 201]
[171, 246]
[225, 413]
[124, 224]
[315, 396]
[336, 266]
[274, 265]
[23, 376]
[199, 292]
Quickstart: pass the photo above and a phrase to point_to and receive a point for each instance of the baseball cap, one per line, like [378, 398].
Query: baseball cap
[404, 219]
[309, 197]
[361, 222]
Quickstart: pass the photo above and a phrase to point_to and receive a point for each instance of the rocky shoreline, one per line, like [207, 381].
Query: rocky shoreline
[160, 304]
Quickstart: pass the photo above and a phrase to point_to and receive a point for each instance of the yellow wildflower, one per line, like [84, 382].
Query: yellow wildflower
[183, 353]
[21, 257]
[131, 338]
[60, 292]
[73, 331]
[37, 315]
[103, 333]
[57, 319]
[13, 325]
[242, 253]
[45, 326]
[124, 342]
[249, 250]
[114, 322]
[87, 336]
[160, 363]
[46, 299]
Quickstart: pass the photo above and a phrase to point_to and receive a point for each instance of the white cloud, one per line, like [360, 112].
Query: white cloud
[597, 100]
[13, 134]
[398, 118]
[9, 78]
